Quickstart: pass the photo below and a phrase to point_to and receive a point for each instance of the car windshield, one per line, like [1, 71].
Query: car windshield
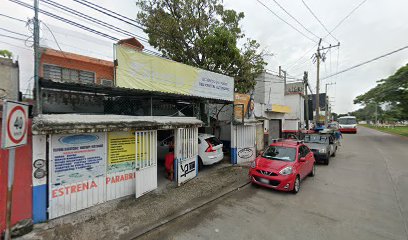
[280, 153]
[347, 121]
[213, 141]
[316, 139]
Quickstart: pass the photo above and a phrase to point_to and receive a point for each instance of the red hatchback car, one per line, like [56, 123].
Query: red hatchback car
[283, 165]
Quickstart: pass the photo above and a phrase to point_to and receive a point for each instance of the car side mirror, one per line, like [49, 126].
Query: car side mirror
[302, 159]
[261, 153]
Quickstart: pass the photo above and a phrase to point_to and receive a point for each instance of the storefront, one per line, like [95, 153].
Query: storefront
[92, 159]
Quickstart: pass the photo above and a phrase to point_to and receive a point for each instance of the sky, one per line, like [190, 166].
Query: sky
[376, 28]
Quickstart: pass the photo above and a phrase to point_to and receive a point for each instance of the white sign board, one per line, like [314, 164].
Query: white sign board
[187, 169]
[15, 124]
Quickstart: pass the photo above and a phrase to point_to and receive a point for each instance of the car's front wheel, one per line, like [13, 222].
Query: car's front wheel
[313, 172]
[296, 185]
[327, 160]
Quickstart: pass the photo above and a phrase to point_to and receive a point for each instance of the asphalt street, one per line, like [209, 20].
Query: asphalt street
[362, 194]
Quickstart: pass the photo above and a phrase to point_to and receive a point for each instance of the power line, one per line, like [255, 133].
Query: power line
[10, 17]
[283, 20]
[91, 5]
[290, 15]
[366, 62]
[92, 19]
[321, 23]
[76, 24]
[347, 16]
[16, 46]
[23, 35]
[7, 36]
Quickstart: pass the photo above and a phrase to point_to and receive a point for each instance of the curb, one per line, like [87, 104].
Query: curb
[185, 212]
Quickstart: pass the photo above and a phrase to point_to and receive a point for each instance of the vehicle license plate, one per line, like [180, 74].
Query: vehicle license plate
[263, 180]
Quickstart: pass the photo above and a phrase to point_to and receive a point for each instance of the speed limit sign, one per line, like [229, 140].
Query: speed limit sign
[15, 124]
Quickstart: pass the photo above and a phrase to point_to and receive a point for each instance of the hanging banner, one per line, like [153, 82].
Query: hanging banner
[121, 151]
[138, 70]
[76, 158]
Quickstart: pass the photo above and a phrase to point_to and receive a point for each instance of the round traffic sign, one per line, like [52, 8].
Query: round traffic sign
[17, 124]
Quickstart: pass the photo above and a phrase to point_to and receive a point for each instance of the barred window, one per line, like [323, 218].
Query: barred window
[59, 74]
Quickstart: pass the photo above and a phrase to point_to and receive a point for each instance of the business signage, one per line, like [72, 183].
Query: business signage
[137, 70]
[121, 151]
[187, 169]
[76, 158]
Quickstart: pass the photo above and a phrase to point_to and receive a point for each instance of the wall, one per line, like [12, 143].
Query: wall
[103, 69]
[296, 103]
[22, 199]
[268, 83]
[9, 73]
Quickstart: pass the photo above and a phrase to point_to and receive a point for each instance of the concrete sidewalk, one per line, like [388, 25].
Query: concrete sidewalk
[129, 217]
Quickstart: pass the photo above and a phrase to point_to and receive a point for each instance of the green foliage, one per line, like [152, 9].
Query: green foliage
[6, 53]
[202, 33]
[392, 91]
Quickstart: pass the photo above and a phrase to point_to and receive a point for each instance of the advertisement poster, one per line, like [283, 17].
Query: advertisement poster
[77, 157]
[121, 151]
[137, 70]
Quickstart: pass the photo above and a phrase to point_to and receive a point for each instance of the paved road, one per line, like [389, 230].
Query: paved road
[362, 194]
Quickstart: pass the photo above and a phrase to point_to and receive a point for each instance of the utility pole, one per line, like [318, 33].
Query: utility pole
[284, 79]
[37, 58]
[320, 57]
[326, 109]
[305, 82]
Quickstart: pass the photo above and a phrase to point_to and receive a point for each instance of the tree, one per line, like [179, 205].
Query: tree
[392, 91]
[6, 53]
[202, 33]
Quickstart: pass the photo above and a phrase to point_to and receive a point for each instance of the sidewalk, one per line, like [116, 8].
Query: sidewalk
[129, 217]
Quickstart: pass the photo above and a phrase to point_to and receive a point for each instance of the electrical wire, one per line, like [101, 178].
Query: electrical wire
[283, 20]
[23, 35]
[17, 46]
[91, 5]
[290, 15]
[364, 63]
[347, 16]
[7, 36]
[94, 20]
[10, 17]
[321, 23]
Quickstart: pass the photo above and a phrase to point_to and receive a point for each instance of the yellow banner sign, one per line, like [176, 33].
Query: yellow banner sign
[121, 147]
[137, 70]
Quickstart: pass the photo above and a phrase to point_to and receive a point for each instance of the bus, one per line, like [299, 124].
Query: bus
[347, 124]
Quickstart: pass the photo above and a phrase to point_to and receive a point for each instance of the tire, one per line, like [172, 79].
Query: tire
[334, 153]
[327, 160]
[296, 185]
[200, 163]
[313, 172]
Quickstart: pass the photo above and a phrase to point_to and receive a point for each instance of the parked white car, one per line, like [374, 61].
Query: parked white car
[209, 149]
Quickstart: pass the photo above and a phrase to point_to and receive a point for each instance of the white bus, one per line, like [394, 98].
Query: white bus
[347, 124]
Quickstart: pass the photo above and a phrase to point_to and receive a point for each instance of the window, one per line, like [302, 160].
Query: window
[287, 154]
[59, 74]
[106, 82]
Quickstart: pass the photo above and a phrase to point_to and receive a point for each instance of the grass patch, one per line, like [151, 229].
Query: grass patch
[403, 131]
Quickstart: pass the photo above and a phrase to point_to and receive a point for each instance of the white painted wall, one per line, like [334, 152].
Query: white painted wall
[292, 119]
[269, 89]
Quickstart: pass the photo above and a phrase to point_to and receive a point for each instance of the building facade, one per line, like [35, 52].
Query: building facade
[9, 79]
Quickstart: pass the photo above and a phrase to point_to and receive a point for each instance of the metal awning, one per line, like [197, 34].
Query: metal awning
[81, 123]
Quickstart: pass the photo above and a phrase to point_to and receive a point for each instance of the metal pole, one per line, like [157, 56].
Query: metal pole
[36, 58]
[284, 82]
[9, 192]
[318, 83]
[305, 76]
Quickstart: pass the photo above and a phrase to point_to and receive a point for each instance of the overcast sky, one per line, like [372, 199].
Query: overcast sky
[377, 27]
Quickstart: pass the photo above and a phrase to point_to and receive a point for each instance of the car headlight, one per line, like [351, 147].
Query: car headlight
[253, 164]
[322, 150]
[286, 171]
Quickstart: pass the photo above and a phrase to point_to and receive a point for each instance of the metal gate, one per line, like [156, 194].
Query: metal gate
[275, 129]
[146, 162]
[186, 152]
[243, 143]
